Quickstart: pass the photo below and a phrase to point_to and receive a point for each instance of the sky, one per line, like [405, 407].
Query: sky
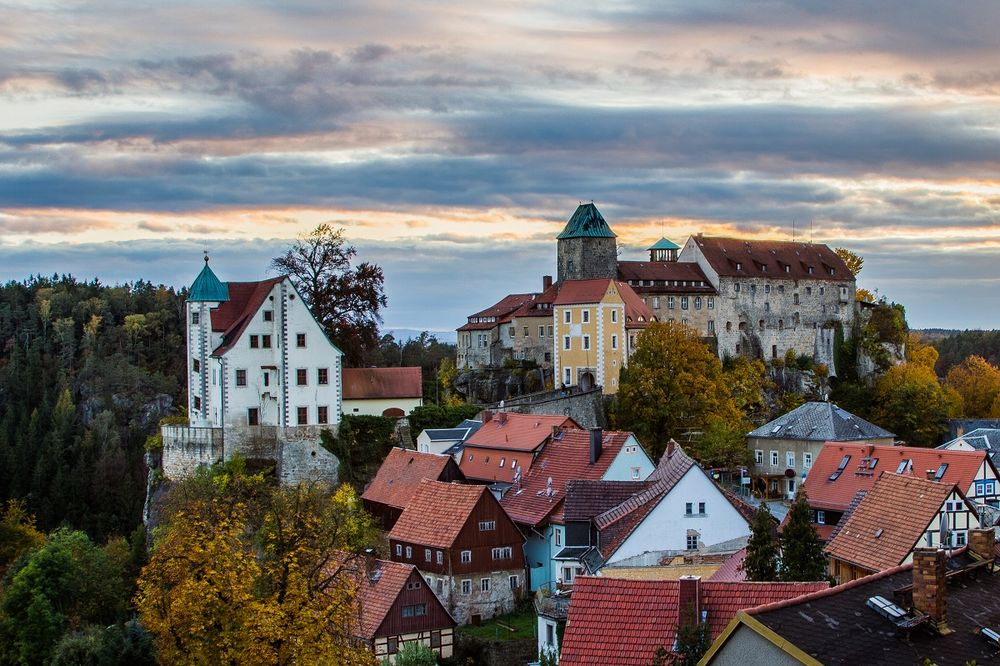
[452, 140]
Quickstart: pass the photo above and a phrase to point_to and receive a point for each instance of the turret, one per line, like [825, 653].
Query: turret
[663, 250]
[587, 248]
[206, 293]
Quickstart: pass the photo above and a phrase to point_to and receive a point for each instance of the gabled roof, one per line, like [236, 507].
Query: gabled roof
[836, 494]
[820, 422]
[667, 276]
[380, 383]
[401, 473]
[562, 460]
[980, 439]
[518, 432]
[622, 622]
[732, 568]
[446, 434]
[232, 317]
[493, 465]
[436, 513]
[499, 312]
[207, 287]
[587, 499]
[887, 524]
[587, 222]
[735, 257]
[581, 292]
[380, 583]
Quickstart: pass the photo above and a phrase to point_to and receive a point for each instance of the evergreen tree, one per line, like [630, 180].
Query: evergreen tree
[801, 549]
[761, 563]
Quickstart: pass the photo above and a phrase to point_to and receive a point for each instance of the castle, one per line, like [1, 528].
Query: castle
[263, 381]
[759, 299]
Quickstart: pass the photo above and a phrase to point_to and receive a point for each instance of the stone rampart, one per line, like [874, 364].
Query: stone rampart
[584, 407]
[185, 449]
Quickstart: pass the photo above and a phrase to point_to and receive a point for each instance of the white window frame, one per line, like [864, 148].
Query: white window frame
[758, 456]
[484, 584]
[466, 556]
[807, 460]
[774, 458]
[466, 586]
[568, 317]
[790, 458]
[586, 342]
[567, 344]
[409, 552]
[586, 316]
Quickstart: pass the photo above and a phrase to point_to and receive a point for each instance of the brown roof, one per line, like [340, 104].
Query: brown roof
[232, 317]
[437, 513]
[886, 525]
[573, 292]
[734, 257]
[499, 312]
[588, 499]
[518, 432]
[375, 383]
[667, 277]
[400, 475]
[494, 465]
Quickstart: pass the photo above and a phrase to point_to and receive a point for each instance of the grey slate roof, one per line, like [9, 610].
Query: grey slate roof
[981, 439]
[438, 434]
[965, 426]
[820, 422]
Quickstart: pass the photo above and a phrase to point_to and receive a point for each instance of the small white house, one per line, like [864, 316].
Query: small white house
[443, 440]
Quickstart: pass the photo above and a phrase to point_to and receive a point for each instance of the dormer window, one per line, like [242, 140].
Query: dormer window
[739, 266]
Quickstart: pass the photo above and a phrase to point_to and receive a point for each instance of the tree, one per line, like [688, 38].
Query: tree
[413, 653]
[761, 561]
[855, 263]
[673, 385]
[693, 639]
[18, 535]
[978, 383]
[801, 549]
[748, 381]
[910, 402]
[722, 444]
[346, 300]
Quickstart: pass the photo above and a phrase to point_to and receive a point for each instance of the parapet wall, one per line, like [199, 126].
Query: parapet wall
[584, 407]
[185, 449]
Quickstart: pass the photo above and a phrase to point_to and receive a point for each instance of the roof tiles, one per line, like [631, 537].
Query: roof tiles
[820, 422]
[734, 257]
[518, 432]
[376, 383]
[400, 474]
[436, 513]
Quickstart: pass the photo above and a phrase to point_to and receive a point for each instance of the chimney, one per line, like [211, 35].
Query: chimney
[487, 416]
[546, 282]
[596, 434]
[930, 586]
[671, 445]
[930, 474]
[555, 431]
[983, 543]
[502, 418]
[689, 601]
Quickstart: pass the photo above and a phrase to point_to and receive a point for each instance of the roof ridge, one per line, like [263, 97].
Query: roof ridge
[833, 589]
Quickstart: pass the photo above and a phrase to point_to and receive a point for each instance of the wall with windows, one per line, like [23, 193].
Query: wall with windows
[590, 339]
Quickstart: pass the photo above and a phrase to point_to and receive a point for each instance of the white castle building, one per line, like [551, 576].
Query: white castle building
[263, 380]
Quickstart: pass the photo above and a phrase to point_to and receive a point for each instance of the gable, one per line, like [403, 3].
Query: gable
[488, 508]
[630, 455]
[414, 591]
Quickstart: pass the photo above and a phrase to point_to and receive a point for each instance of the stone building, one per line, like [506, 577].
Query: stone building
[263, 381]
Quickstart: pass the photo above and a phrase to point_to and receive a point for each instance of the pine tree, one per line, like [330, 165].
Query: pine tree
[761, 563]
[801, 549]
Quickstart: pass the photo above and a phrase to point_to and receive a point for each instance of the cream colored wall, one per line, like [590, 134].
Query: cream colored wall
[602, 357]
[376, 407]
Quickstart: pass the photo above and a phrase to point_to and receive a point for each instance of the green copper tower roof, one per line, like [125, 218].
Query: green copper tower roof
[587, 222]
[207, 287]
[664, 244]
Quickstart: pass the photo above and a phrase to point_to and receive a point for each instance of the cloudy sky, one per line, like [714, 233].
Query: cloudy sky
[452, 140]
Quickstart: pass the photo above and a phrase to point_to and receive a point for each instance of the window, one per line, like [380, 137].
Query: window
[711, 302]
[197, 403]
[241, 377]
[807, 460]
[985, 487]
[767, 289]
[567, 376]
[484, 584]
[758, 456]
[821, 517]
[550, 634]
[795, 298]
[267, 378]
[300, 339]
[549, 329]
[541, 331]
[300, 377]
[558, 536]
[409, 553]
[254, 341]
[904, 465]
[940, 471]
[656, 302]
[568, 317]
[322, 414]
[840, 468]
[427, 554]
[586, 316]
[322, 376]
[701, 508]
[435, 639]
[614, 342]
[688, 509]
[697, 302]
[511, 331]
[809, 291]
[959, 538]
[487, 525]
[504, 553]
[195, 318]
[566, 343]
[392, 645]
[301, 415]
[711, 327]
[196, 365]
[614, 316]
[467, 586]
[736, 287]
[515, 582]
[671, 302]
[466, 556]
[525, 331]
[407, 611]
[265, 341]
[692, 542]
[399, 550]
[684, 302]
[586, 342]
[268, 315]
[789, 458]
[774, 458]
[440, 557]
[635, 473]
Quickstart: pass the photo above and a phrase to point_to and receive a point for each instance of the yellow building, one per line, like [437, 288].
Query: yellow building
[595, 326]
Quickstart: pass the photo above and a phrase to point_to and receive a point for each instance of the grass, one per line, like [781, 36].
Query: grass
[522, 620]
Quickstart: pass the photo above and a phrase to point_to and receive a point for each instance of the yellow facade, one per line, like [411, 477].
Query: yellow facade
[591, 342]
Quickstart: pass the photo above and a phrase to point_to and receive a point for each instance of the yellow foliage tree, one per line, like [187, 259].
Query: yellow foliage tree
[911, 402]
[978, 383]
[919, 352]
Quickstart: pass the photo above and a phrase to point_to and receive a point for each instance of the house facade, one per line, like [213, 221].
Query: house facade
[466, 547]
[393, 392]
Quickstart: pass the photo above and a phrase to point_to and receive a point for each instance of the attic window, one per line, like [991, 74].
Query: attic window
[739, 266]
[904, 466]
[878, 532]
[886, 609]
[940, 471]
[840, 468]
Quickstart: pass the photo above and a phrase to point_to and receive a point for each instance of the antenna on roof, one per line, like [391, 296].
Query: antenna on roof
[810, 230]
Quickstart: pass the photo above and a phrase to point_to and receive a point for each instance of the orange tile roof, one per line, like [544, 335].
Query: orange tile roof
[732, 568]
[484, 464]
[375, 383]
[437, 513]
[836, 495]
[518, 432]
[562, 460]
[401, 473]
[898, 510]
[378, 588]
[232, 317]
[500, 312]
[765, 258]
[622, 622]
[574, 292]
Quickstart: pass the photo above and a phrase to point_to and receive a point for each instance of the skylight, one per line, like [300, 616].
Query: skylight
[904, 466]
[940, 471]
[840, 468]
[886, 609]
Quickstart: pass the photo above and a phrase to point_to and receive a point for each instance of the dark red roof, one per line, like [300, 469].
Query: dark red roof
[836, 494]
[680, 277]
[732, 568]
[400, 475]
[231, 318]
[436, 513]
[623, 622]
[518, 432]
[734, 257]
[586, 500]
[376, 383]
[499, 312]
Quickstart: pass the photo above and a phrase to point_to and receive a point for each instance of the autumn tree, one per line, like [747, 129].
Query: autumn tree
[978, 383]
[855, 263]
[18, 534]
[801, 549]
[346, 300]
[748, 382]
[910, 402]
[919, 352]
[761, 561]
[673, 386]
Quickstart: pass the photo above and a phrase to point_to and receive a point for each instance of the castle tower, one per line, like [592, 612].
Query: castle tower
[663, 250]
[587, 248]
[206, 293]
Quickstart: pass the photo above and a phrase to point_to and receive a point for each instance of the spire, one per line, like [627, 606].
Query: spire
[587, 222]
[207, 287]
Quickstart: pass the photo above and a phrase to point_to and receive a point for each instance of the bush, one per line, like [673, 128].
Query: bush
[413, 653]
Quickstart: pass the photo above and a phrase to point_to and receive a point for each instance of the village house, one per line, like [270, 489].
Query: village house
[937, 609]
[393, 392]
[263, 381]
[447, 440]
[398, 478]
[623, 622]
[466, 547]
[396, 608]
[899, 513]
[977, 439]
[784, 449]
[481, 342]
[535, 501]
[842, 469]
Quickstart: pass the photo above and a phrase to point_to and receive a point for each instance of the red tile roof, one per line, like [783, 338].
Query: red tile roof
[667, 273]
[573, 292]
[836, 495]
[400, 475]
[375, 383]
[889, 521]
[774, 259]
[623, 622]
[378, 588]
[500, 312]
[561, 460]
[732, 568]
[518, 432]
[437, 513]
[484, 464]
[232, 317]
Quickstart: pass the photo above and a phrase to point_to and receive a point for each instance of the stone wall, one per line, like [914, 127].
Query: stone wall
[495, 653]
[306, 461]
[498, 600]
[584, 407]
[587, 258]
[185, 449]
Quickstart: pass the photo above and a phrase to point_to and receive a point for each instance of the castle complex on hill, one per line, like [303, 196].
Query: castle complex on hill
[759, 299]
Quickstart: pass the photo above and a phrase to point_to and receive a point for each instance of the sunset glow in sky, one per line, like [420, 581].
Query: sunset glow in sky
[453, 140]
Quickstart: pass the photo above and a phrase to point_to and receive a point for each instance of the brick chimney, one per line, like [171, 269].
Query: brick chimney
[930, 474]
[555, 431]
[546, 282]
[689, 601]
[502, 418]
[671, 445]
[596, 435]
[930, 587]
[487, 416]
[982, 542]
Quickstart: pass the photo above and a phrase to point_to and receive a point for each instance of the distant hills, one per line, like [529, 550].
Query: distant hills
[404, 334]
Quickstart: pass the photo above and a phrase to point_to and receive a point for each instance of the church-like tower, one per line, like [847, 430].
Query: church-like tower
[587, 248]
[206, 294]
